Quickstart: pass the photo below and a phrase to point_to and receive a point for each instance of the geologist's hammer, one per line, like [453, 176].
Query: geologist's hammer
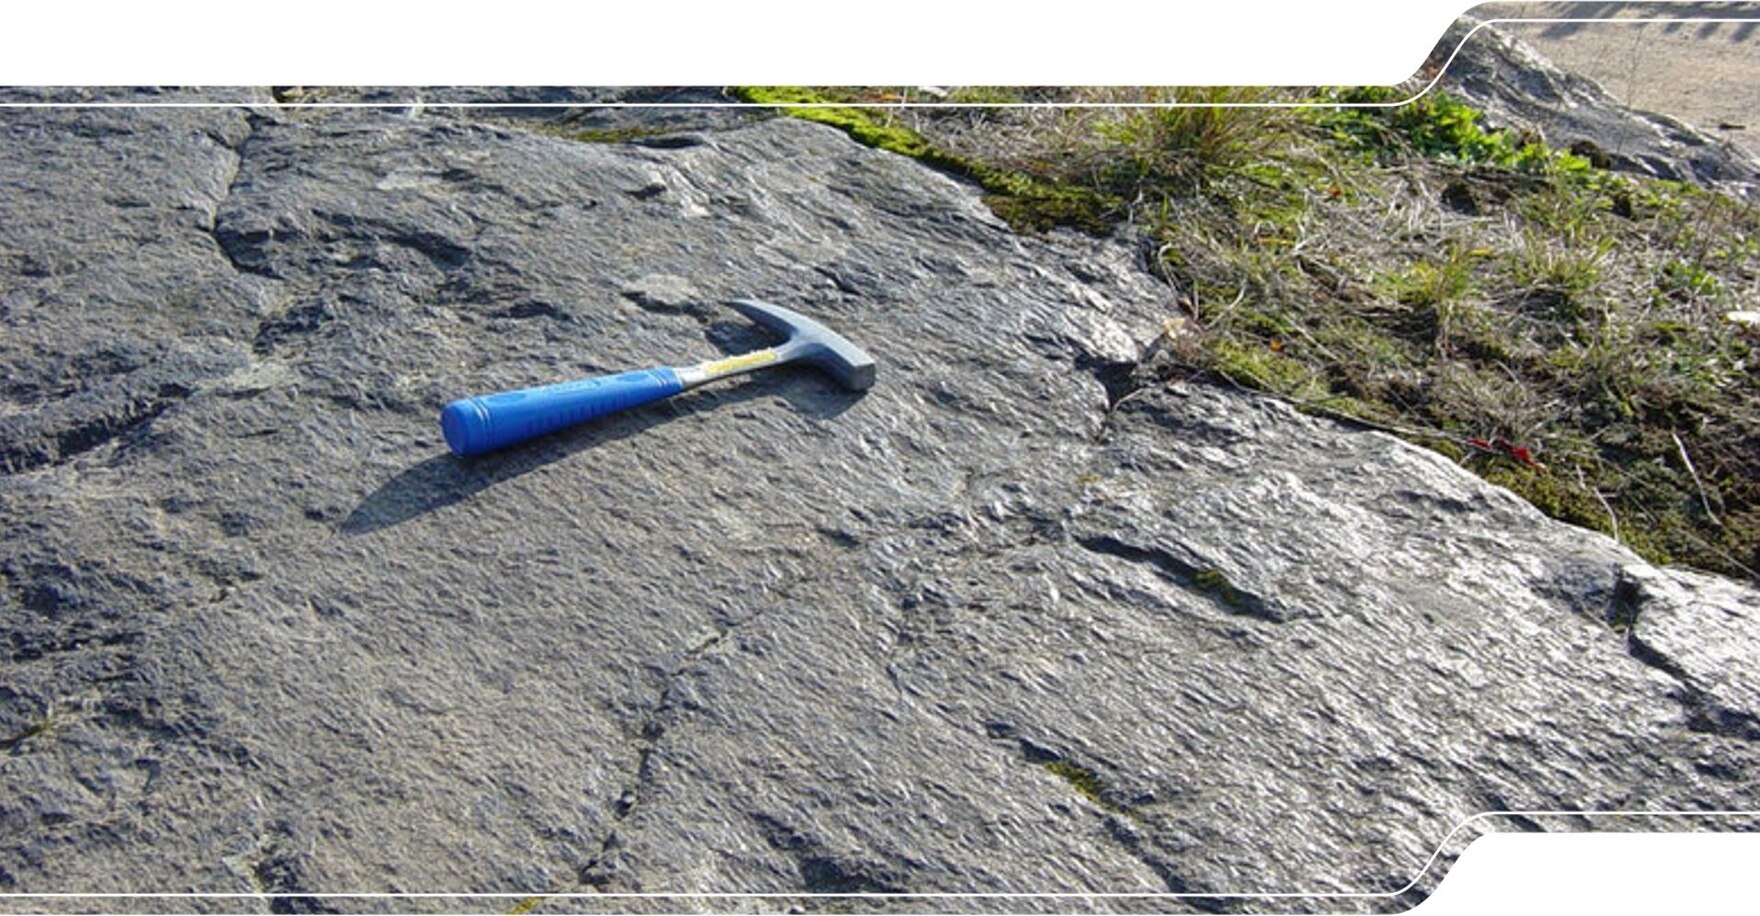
[487, 422]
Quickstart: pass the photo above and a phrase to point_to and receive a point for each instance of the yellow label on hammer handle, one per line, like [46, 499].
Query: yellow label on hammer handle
[740, 363]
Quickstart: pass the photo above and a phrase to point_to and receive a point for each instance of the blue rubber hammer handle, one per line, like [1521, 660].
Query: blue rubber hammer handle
[481, 424]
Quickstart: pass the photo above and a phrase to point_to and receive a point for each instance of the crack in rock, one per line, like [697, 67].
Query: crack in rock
[84, 430]
[298, 321]
[278, 874]
[114, 409]
[1191, 576]
[1704, 712]
[1131, 840]
[1642, 601]
[440, 251]
[597, 872]
[823, 871]
[242, 250]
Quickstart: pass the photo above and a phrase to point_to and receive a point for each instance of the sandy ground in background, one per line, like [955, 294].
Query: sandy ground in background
[1706, 74]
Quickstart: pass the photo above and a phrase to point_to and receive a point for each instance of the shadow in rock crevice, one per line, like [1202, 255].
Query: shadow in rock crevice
[445, 479]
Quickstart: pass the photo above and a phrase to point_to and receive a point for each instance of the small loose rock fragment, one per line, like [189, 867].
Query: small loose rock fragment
[662, 293]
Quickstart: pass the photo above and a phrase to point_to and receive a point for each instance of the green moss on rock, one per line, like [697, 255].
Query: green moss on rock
[1026, 203]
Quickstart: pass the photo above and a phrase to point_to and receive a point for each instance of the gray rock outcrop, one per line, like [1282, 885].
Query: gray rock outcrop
[1003, 624]
[1519, 88]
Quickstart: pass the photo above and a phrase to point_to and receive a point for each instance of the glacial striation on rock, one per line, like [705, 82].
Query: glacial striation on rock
[998, 625]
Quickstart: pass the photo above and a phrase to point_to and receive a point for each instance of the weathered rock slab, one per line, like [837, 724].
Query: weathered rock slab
[986, 628]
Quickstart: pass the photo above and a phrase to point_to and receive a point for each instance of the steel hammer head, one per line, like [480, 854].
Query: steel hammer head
[813, 343]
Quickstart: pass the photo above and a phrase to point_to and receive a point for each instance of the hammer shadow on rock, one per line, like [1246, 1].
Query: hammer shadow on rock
[446, 478]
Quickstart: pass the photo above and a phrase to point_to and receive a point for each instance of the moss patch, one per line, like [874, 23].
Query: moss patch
[1083, 780]
[1216, 584]
[1026, 203]
[1088, 784]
